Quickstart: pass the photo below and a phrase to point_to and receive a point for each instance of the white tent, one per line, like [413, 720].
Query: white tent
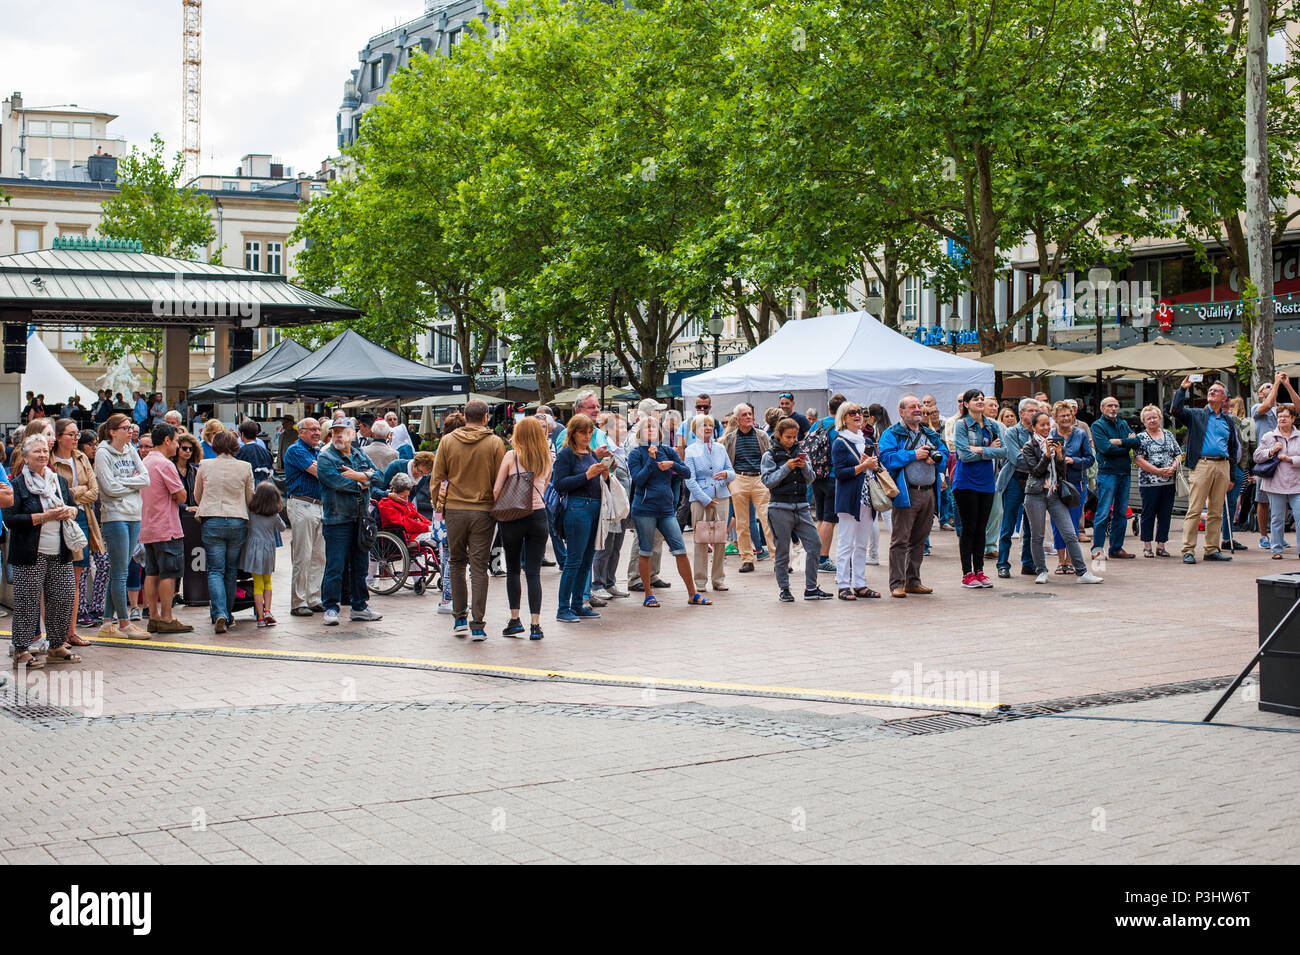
[45, 376]
[853, 354]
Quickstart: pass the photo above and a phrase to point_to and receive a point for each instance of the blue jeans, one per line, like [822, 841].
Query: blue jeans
[120, 538]
[1075, 514]
[223, 539]
[345, 567]
[647, 524]
[1112, 506]
[945, 505]
[1013, 513]
[1277, 505]
[557, 541]
[581, 517]
[1234, 493]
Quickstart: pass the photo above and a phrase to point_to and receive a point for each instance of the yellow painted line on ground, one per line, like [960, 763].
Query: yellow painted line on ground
[570, 676]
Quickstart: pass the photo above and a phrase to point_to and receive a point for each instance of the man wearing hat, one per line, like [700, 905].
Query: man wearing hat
[344, 474]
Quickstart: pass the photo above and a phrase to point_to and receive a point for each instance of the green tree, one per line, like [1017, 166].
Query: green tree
[166, 220]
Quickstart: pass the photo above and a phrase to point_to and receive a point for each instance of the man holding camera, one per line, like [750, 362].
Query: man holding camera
[1211, 447]
[914, 455]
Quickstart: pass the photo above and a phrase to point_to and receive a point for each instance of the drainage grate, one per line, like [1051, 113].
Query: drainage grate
[1029, 595]
[17, 703]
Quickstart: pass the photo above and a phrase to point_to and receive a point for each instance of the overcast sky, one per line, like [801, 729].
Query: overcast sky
[273, 70]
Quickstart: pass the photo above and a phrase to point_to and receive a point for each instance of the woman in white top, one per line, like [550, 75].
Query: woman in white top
[121, 475]
[711, 472]
[526, 536]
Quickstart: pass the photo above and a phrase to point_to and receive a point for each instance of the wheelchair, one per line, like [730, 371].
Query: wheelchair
[394, 564]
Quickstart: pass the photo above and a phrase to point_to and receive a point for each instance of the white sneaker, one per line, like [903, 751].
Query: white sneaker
[1089, 578]
[1099, 564]
[445, 607]
[135, 614]
[331, 618]
[135, 633]
[603, 594]
[366, 614]
[1041, 578]
[872, 562]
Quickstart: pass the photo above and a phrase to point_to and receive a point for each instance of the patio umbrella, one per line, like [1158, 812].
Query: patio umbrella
[453, 401]
[1161, 357]
[1029, 361]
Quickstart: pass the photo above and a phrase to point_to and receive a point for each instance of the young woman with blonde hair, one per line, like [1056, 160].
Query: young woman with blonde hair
[525, 536]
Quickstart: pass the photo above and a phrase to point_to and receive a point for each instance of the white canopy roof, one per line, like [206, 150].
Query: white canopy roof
[45, 376]
[853, 354]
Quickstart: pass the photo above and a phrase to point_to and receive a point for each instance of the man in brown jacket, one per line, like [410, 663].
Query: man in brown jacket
[468, 460]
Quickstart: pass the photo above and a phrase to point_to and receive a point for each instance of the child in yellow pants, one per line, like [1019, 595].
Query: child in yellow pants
[258, 557]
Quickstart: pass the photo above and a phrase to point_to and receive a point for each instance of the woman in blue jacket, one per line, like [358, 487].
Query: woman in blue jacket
[853, 458]
[977, 441]
[654, 505]
[1078, 458]
[576, 475]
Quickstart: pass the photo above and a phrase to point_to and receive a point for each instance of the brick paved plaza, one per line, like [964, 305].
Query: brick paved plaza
[191, 756]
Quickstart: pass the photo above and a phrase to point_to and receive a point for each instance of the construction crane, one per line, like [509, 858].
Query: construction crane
[191, 79]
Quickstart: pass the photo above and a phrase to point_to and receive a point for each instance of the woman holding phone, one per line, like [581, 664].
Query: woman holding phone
[853, 458]
[577, 474]
[1044, 456]
[786, 474]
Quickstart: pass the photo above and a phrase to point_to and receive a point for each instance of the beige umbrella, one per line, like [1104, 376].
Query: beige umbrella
[453, 401]
[1030, 361]
[1161, 357]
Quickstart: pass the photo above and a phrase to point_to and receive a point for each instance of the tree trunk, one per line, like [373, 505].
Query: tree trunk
[1259, 233]
[983, 252]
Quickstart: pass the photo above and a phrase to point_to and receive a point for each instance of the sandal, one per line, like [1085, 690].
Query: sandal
[27, 659]
[1277, 556]
[1148, 553]
[77, 640]
[846, 594]
[699, 600]
[1161, 552]
[1062, 571]
[650, 601]
[67, 656]
[864, 592]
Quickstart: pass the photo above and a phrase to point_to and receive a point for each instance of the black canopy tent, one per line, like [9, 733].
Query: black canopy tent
[227, 387]
[351, 366]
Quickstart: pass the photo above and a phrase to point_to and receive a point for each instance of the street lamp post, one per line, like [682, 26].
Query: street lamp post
[603, 378]
[700, 349]
[503, 349]
[715, 329]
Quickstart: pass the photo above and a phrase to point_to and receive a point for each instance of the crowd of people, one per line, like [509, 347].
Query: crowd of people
[95, 517]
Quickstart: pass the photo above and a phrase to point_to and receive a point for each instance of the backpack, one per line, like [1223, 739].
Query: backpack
[818, 448]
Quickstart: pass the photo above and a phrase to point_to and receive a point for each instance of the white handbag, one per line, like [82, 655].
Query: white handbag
[74, 537]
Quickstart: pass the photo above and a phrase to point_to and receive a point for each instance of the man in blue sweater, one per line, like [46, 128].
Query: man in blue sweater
[1211, 445]
[1113, 439]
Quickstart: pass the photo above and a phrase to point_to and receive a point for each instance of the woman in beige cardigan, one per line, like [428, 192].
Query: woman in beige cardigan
[74, 467]
[223, 490]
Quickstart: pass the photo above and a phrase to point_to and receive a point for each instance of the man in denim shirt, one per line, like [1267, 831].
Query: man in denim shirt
[1211, 446]
[344, 475]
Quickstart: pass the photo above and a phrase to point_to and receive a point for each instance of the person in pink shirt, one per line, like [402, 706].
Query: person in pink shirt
[160, 531]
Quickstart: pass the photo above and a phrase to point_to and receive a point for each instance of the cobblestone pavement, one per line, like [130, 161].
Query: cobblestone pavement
[443, 783]
[174, 757]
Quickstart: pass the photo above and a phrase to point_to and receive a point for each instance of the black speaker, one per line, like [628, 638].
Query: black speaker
[15, 338]
[1279, 676]
[241, 347]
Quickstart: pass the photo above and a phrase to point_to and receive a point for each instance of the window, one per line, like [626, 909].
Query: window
[911, 297]
[271, 337]
[38, 127]
[453, 38]
[274, 254]
[230, 185]
[58, 128]
[81, 130]
[446, 350]
[253, 256]
[377, 74]
[490, 355]
[29, 240]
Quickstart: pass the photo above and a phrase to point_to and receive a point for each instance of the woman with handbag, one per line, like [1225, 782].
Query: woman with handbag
[1048, 492]
[604, 566]
[75, 469]
[853, 457]
[788, 477]
[40, 557]
[521, 515]
[1158, 457]
[1280, 448]
[224, 488]
[576, 476]
[710, 498]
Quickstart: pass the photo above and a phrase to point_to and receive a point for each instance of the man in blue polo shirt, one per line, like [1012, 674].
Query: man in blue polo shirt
[1211, 446]
[307, 540]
